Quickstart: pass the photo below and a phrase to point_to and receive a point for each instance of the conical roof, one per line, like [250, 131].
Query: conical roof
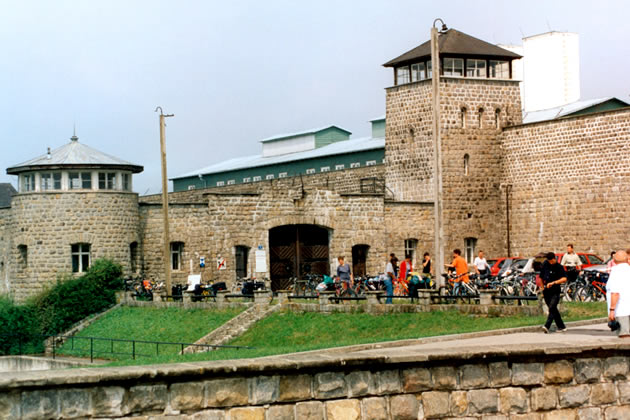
[74, 155]
[454, 42]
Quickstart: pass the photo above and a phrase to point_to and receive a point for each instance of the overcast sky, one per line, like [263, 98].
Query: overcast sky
[235, 72]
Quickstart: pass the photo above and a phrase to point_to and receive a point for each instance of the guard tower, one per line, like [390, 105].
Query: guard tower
[478, 97]
[74, 204]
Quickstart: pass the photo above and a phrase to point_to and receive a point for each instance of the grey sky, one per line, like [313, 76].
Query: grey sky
[236, 72]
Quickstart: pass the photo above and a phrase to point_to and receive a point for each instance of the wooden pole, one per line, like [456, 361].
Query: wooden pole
[167, 242]
[437, 160]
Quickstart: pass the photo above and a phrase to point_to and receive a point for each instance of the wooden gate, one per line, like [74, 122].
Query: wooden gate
[297, 250]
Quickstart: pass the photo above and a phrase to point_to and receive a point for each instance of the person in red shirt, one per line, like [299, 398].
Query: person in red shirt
[405, 268]
[461, 269]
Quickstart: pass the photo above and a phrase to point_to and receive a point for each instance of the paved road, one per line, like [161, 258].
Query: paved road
[589, 335]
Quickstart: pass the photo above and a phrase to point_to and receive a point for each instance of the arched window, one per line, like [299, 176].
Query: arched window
[480, 117]
[466, 163]
[462, 116]
[497, 118]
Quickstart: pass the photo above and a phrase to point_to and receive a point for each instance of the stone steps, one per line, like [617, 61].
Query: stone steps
[234, 328]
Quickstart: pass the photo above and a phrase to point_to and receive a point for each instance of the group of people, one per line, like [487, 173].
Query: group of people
[395, 273]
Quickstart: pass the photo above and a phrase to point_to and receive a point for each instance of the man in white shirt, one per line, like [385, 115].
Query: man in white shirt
[481, 265]
[571, 263]
[618, 288]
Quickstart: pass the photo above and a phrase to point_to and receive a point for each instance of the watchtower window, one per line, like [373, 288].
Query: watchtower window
[106, 180]
[498, 69]
[28, 182]
[50, 181]
[418, 72]
[80, 180]
[466, 162]
[497, 118]
[475, 68]
[454, 67]
[402, 75]
[480, 122]
[462, 116]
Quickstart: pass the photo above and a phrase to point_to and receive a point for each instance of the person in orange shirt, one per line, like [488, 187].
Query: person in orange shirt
[461, 269]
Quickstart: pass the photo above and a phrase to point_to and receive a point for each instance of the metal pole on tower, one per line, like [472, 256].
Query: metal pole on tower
[167, 245]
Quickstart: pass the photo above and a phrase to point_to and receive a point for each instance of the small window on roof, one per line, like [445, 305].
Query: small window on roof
[355, 165]
[370, 163]
[220, 183]
[247, 179]
[269, 176]
[324, 169]
[282, 175]
[191, 187]
[257, 178]
[310, 171]
[231, 181]
[339, 167]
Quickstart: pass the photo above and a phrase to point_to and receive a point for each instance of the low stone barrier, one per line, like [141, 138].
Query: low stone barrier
[578, 383]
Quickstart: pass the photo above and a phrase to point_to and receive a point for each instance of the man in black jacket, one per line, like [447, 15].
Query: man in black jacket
[553, 275]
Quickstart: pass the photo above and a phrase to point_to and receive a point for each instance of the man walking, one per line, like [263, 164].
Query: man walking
[389, 279]
[571, 263]
[553, 275]
[618, 287]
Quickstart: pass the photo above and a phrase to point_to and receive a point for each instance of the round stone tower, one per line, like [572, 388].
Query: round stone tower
[74, 204]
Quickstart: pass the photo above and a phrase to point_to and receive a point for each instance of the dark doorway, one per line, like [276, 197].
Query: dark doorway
[295, 251]
[359, 259]
[241, 253]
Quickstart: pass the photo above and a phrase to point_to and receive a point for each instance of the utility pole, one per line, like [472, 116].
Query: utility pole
[437, 156]
[167, 242]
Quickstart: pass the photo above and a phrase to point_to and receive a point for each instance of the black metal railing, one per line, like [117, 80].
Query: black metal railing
[109, 348]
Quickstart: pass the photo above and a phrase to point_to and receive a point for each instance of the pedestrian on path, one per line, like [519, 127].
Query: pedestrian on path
[553, 275]
[389, 279]
[481, 266]
[618, 288]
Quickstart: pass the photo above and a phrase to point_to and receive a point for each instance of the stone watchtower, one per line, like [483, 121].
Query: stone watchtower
[478, 97]
[74, 204]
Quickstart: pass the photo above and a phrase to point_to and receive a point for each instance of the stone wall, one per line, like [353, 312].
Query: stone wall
[472, 114]
[229, 219]
[347, 181]
[49, 223]
[570, 183]
[478, 384]
[5, 246]
[472, 195]
[408, 145]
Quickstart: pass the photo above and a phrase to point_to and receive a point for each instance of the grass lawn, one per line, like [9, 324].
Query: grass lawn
[287, 332]
[150, 324]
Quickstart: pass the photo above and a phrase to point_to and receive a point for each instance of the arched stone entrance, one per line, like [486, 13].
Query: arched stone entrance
[297, 250]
